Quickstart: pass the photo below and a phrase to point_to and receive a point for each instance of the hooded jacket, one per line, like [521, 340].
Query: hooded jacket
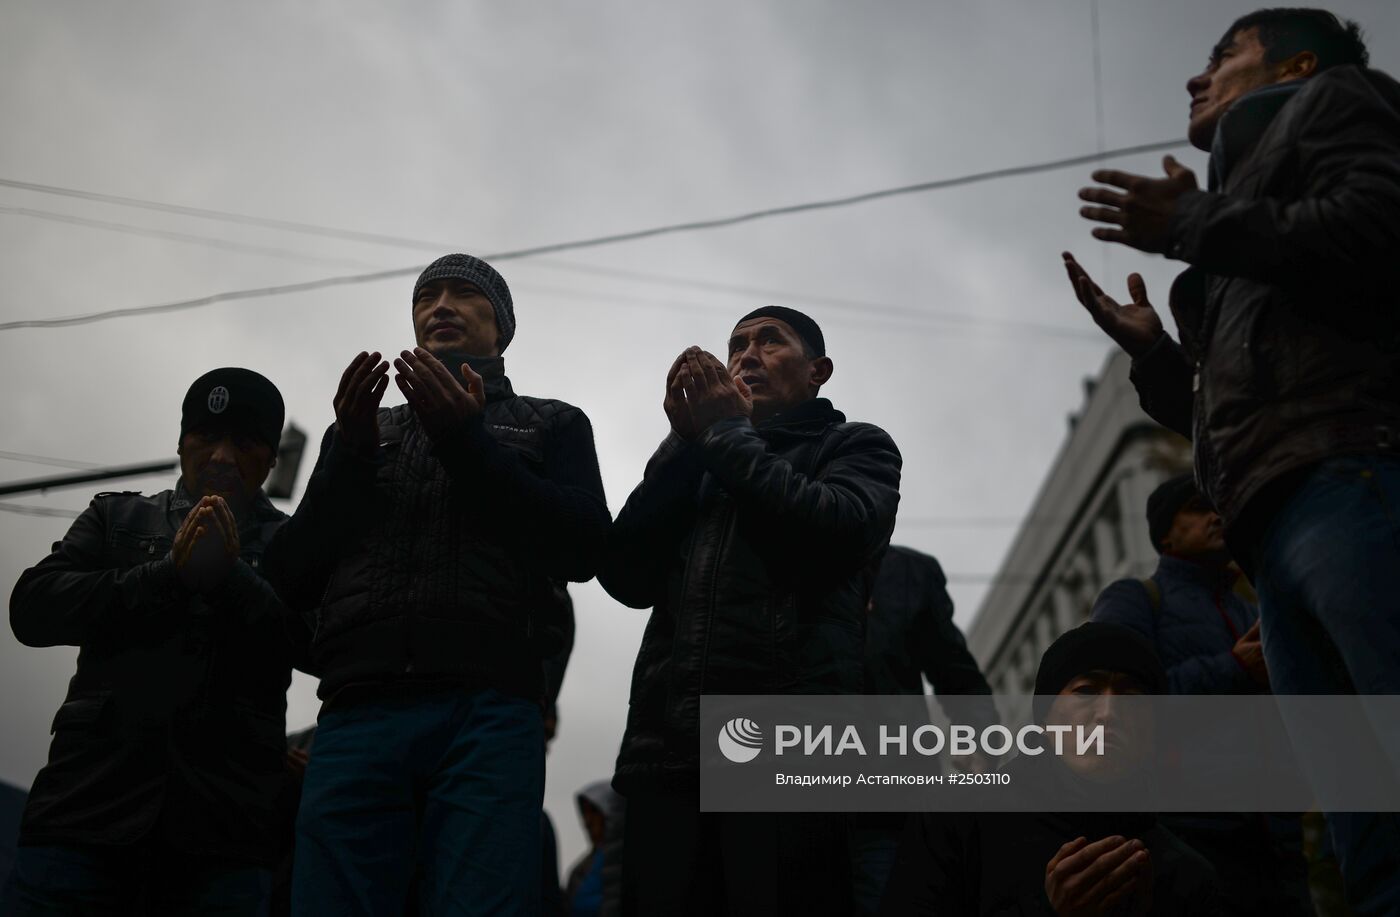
[1289, 314]
[174, 720]
[756, 546]
[436, 561]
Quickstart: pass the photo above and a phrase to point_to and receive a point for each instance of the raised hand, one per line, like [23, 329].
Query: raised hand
[206, 545]
[1134, 325]
[362, 385]
[1089, 880]
[674, 402]
[441, 402]
[711, 394]
[1143, 210]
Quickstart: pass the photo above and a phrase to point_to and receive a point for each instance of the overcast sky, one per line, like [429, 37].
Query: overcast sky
[487, 127]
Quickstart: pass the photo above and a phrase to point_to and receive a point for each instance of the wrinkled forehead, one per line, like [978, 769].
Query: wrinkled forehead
[755, 325]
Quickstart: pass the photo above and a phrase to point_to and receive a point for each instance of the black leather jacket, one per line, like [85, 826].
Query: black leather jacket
[757, 546]
[436, 562]
[1289, 314]
[174, 720]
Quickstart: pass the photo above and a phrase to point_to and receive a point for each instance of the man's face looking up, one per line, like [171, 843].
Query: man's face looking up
[454, 316]
[1237, 65]
[773, 361]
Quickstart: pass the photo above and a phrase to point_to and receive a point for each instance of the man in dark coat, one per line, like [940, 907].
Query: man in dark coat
[1080, 863]
[426, 549]
[754, 535]
[160, 792]
[1287, 376]
[910, 636]
[1207, 636]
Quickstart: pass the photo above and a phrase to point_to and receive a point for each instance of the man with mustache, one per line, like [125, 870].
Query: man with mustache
[167, 758]
[754, 535]
[427, 549]
[1287, 375]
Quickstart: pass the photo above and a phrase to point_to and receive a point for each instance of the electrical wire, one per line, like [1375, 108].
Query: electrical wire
[45, 460]
[692, 226]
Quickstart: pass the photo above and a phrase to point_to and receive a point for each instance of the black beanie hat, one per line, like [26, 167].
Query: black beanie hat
[234, 399]
[798, 321]
[492, 284]
[1095, 646]
[1165, 502]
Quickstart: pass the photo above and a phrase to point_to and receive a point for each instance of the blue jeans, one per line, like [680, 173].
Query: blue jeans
[873, 849]
[145, 878]
[1328, 578]
[439, 792]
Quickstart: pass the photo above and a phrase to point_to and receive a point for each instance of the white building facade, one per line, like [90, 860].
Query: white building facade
[1086, 528]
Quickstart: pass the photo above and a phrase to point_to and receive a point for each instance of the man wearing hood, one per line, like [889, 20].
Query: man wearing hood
[1082, 863]
[588, 891]
[1287, 374]
[426, 550]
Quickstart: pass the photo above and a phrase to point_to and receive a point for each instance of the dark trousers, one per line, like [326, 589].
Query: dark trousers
[679, 861]
[141, 879]
[437, 792]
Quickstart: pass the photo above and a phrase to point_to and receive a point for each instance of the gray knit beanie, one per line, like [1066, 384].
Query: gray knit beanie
[474, 270]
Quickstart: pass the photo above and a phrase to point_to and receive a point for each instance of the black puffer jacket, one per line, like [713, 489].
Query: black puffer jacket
[756, 545]
[175, 717]
[436, 561]
[1290, 313]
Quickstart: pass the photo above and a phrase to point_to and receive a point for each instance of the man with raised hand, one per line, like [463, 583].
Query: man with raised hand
[754, 536]
[160, 792]
[1287, 376]
[426, 549]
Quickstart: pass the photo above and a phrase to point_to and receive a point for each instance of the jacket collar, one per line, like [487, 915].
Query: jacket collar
[809, 417]
[492, 371]
[1183, 568]
[1242, 126]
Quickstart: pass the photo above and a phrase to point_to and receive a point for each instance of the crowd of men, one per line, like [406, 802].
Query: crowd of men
[421, 580]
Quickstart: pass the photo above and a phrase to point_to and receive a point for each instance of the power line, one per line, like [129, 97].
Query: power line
[44, 460]
[848, 201]
[600, 270]
[224, 215]
[172, 235]
[692, 226]
[864, 308]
